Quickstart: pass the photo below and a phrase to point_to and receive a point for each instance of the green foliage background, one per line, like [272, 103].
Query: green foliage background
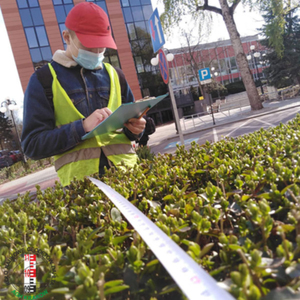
[233, 206]
[5, 129]
[284, 69]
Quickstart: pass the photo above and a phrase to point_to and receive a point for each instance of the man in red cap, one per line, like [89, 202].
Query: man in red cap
[74, 93]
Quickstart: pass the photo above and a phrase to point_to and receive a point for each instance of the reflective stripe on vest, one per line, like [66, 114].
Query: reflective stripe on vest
[83, 160]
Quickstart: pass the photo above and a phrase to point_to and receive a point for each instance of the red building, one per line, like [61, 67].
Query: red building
[218, 56]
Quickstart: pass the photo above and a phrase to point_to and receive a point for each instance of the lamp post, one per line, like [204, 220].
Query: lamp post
[155, 62]
[256, 55]
[215, 74]
[265, 62]
[12, 105]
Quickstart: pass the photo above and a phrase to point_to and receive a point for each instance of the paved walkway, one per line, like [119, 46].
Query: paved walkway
[44, 178]
[166, 132]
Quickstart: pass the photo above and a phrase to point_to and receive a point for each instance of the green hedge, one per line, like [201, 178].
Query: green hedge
[233, 206]
[20, 168]
[238, 86]
[235, 87]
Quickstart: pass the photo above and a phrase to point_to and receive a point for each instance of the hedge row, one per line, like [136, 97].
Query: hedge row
[20, 168]
[233, 206]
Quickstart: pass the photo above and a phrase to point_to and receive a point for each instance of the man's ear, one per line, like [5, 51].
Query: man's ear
[67, 36]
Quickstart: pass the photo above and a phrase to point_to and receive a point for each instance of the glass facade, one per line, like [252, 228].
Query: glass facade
[136, 14]
[62, 8]
[111, 55]
[100, 3]
[35, 32]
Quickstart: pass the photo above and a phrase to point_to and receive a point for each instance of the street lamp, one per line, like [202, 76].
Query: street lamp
[265, 62]
[215, 74]
[12, 105]
[155, 62]
[256, 55]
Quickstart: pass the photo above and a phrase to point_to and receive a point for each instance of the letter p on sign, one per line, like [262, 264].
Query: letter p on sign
[204, 74]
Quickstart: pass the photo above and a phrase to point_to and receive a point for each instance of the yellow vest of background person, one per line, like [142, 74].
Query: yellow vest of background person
[84, 159]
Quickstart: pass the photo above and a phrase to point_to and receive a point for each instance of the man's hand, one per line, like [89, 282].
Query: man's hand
[98, 116]
[136, 126]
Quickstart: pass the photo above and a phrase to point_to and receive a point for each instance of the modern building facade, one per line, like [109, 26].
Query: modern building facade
[35, 31]
[219, 57]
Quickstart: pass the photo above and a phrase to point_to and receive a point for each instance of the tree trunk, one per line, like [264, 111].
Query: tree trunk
[240, 56]
[198, 79]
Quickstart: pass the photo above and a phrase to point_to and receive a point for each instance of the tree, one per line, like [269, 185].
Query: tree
[191, 52]
[5, 129]
[175, 10]
[191, 55]
[284, 69]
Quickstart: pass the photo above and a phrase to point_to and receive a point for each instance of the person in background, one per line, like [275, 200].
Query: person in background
[84, 91]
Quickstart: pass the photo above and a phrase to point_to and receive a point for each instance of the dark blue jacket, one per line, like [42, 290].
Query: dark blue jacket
[88, 89]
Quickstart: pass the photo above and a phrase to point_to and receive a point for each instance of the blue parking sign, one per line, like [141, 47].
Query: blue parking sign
[156, 32]
[204, 74]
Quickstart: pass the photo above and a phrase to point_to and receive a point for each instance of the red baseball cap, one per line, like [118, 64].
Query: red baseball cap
[91, 25]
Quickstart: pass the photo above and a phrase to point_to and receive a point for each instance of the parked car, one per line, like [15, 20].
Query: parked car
[19, 154]
[13, 156]
[16, 155]
[5, 159]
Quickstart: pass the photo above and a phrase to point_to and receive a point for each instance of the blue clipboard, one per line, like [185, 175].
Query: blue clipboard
[121, 115]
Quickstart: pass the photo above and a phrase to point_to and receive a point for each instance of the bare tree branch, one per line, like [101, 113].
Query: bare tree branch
[210, 8]
[233, 6]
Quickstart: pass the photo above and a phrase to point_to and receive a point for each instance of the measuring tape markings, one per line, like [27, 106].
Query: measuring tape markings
[189, 276]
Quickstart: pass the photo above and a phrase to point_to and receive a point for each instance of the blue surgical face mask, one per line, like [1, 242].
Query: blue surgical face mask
[88, 60]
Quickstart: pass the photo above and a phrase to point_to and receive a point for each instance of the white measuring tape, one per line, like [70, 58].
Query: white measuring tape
[194, 282]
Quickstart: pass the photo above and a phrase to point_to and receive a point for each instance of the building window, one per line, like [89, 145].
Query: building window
[37, 16]
[26, 17]
[33, 3]
[31, 37]
[100, 3]
[141, 30]
[131, 31]
[135, 2]
[42, 36]
[60, 2]
[127, 15]
[146, 92]
[147, 10]
[233, 65]
[22, 3]
[139, 64]
[137, 13]
[111, 57]
[62, 8]
[36, 35]
[125, 3]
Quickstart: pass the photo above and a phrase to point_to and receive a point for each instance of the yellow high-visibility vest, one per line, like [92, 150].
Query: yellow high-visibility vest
[84, 159]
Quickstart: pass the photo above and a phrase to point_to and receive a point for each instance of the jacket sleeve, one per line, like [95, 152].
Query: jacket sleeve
[40, 137]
